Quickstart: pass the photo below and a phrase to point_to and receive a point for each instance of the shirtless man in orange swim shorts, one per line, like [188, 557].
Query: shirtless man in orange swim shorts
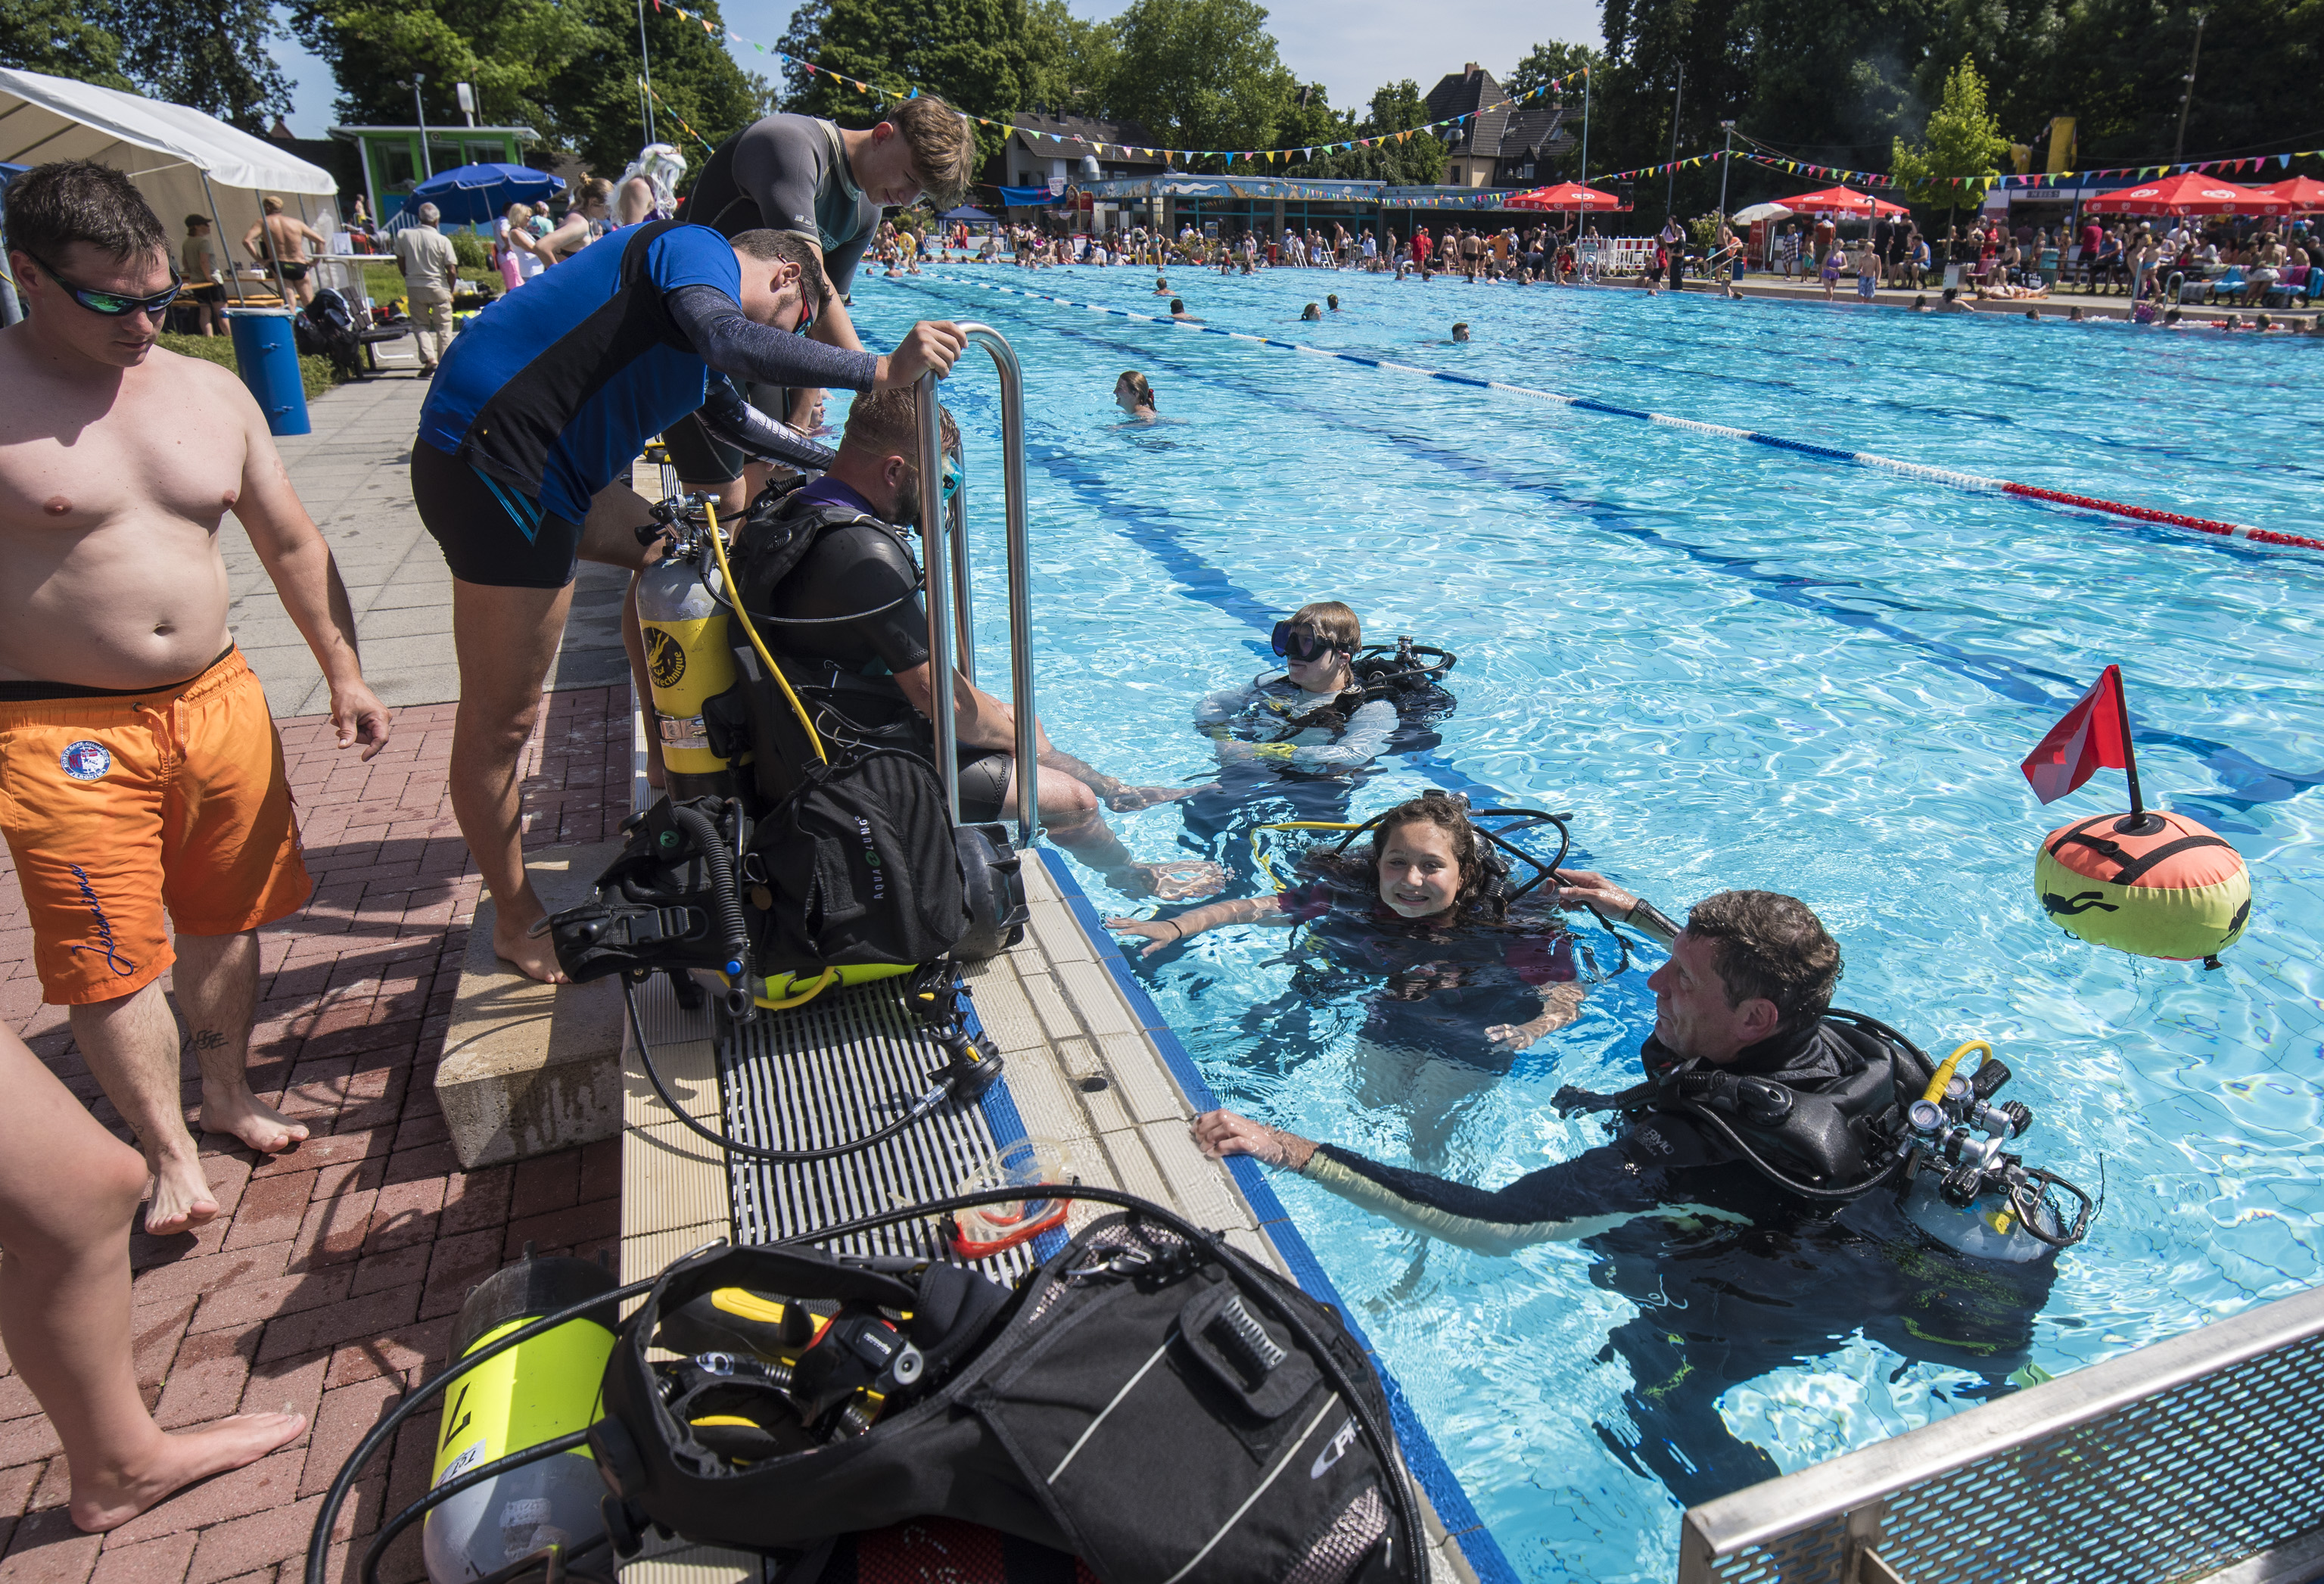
[139, 770]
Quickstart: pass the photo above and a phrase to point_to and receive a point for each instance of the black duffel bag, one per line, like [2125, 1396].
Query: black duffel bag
[1150, 1400]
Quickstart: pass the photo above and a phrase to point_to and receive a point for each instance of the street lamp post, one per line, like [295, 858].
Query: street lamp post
[1725, 159]
[427, 164]
[1670, 183]
[2188, 98]
[645, 80]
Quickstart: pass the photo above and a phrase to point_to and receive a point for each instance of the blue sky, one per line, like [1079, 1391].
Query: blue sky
[1350, 48]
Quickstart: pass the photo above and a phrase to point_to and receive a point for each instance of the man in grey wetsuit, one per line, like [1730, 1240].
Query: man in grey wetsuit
[1733, 1274]
[828, 185]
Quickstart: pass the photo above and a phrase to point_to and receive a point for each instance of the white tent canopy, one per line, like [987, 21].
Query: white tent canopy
[185, 162]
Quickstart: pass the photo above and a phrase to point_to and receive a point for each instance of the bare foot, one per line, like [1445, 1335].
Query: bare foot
[514, 942]
[109, 1498]
[249, 1119]
[182, 1199]
[1177, 880]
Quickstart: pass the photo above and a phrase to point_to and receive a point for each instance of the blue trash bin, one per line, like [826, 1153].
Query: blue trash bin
[266, 350]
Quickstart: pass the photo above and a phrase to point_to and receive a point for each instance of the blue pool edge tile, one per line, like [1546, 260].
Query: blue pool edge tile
[1454, 1510]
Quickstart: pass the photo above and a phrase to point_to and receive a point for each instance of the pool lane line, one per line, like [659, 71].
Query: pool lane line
[1952, 478]
[2248, 782]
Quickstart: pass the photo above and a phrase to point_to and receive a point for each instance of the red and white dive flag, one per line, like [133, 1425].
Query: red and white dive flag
[2094, 736]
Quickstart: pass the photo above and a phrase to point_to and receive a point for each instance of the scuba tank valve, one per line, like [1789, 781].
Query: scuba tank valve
[542, 1388]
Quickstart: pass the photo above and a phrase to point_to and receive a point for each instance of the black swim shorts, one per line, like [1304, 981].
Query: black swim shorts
[293, 273]
[491, 534]
[983, 785]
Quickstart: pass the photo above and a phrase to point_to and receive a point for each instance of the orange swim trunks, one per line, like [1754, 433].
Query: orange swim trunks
[116, 805]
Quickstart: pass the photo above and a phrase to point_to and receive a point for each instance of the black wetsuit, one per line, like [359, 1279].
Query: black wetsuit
[1733, 1275]
[782, 173]
[850, 615]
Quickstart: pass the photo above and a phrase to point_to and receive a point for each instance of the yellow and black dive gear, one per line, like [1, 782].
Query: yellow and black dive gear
[543, 1389]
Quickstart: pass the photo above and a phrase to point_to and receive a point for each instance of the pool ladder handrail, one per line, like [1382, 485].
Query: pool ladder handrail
[944, 549]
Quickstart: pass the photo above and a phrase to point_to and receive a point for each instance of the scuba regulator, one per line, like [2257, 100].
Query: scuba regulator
[1972, 1193]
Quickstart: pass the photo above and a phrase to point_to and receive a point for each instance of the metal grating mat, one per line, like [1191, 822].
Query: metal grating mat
[2175, 1485]
[845, 1063]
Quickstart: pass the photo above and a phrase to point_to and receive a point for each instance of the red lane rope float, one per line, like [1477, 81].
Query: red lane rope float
[2148, 514]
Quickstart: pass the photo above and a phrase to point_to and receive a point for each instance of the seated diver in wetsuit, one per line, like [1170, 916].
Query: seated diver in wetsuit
[1294, 744]
[1734, 1275]
[1468, 983]
[845, 614]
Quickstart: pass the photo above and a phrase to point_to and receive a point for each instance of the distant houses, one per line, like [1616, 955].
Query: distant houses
[1505, 146]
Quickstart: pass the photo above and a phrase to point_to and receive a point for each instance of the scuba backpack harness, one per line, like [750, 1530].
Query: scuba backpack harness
[1865, 1130]
[1409, 676]
[1150, 1399]
[850, 870]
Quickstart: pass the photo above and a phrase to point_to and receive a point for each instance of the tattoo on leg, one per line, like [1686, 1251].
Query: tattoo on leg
[205, 1039]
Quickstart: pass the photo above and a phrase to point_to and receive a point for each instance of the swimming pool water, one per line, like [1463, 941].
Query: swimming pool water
[1738, 667]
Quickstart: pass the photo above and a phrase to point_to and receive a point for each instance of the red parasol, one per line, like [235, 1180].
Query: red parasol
[2305, 194]
[1568, 196]
[1840, 200]
[2189, 192]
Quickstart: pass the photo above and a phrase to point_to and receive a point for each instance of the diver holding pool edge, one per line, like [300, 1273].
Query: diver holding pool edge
[1878, 1212]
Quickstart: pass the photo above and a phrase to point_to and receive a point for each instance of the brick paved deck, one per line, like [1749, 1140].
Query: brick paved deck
[329, 1282]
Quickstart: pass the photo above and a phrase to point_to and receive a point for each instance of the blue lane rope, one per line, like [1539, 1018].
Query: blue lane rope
[1952, 478]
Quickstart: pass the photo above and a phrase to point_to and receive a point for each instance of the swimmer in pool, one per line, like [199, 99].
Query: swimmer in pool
[1460, 332]
[1463, 981]
[1332, 301]
[1310, 313]
[1134, 396]
[1161, 286]
[1178, 312]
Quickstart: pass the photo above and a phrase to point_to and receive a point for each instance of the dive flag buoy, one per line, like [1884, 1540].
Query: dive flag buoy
[2156, 884]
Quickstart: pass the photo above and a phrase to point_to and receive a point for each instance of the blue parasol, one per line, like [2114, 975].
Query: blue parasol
[469, 195]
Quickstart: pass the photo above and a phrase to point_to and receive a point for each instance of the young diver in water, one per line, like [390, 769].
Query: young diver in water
[1469, 982]
[1314, 715]
[1294, 742]
[1749, 1202]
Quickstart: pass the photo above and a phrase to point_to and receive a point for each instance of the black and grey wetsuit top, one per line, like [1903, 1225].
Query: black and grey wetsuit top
[1276, 721]
[1662, 1162]
[789, 173]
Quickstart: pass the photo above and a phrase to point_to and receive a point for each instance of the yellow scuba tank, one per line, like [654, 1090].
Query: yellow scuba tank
[534, 1391]
[688, 659]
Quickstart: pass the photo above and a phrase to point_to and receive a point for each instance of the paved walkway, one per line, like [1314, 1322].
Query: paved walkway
[329, 1282]
[352, 474]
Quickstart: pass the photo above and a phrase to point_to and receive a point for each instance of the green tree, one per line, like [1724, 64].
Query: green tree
[700, 95]
[62, 38]
[1547, 62]
[1417, 161]
[1961, 141]
[220, 65]
[507, 51]
[1070, 60]
[971, 53]
[568, 70]
[1204, 74]
[802, 40]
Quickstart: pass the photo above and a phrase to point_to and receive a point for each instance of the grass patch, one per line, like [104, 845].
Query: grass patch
[318, 374]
